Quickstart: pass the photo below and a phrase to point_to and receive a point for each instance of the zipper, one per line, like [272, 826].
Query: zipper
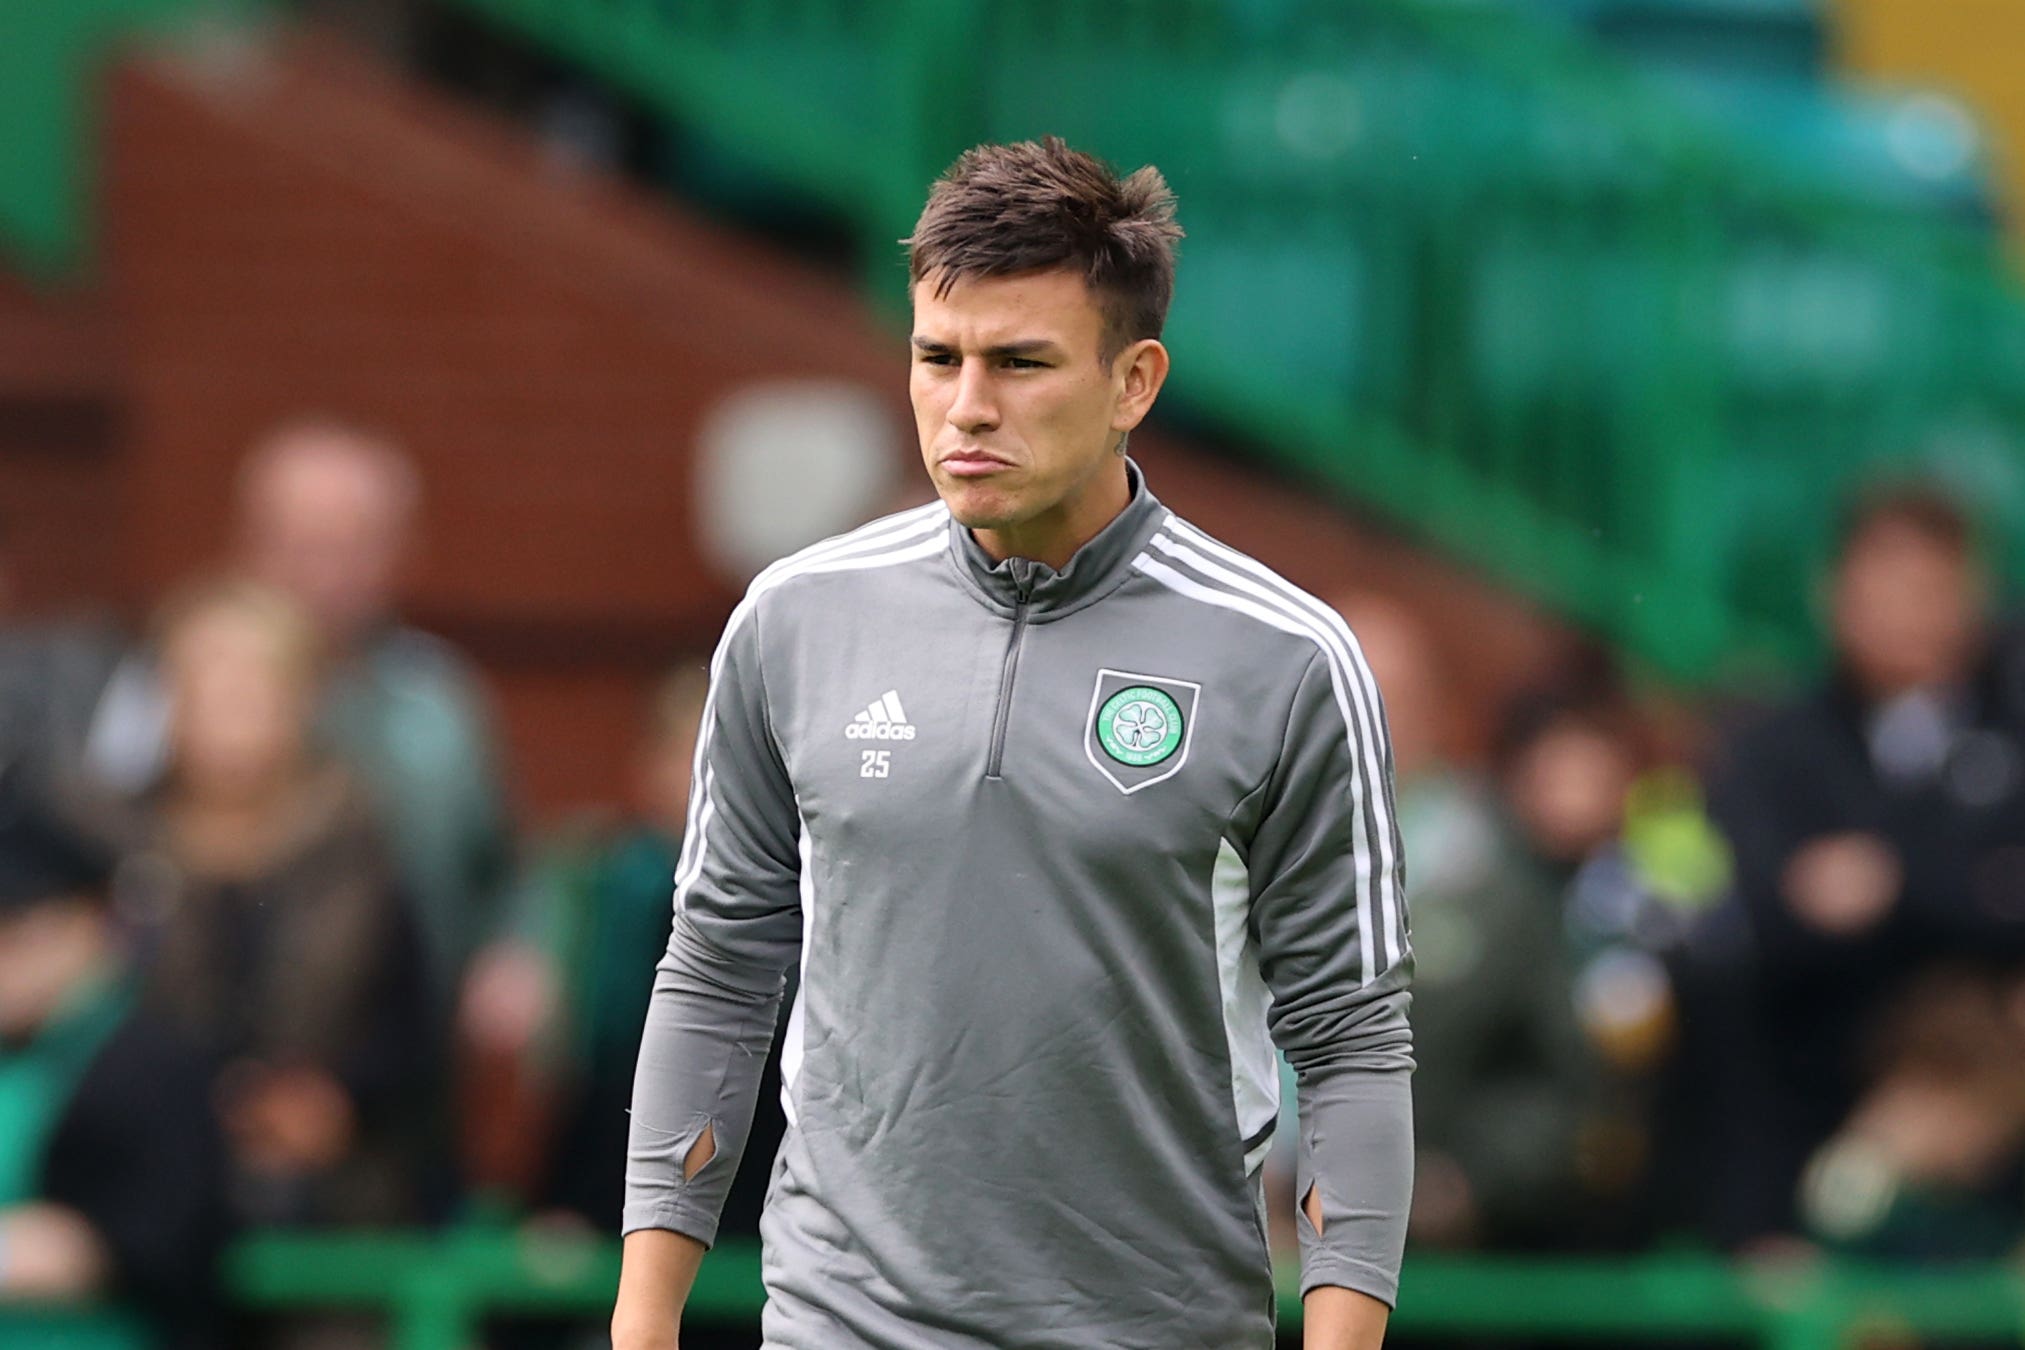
[1023, 583]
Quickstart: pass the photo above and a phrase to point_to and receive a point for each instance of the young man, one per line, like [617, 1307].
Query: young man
[1061, 804]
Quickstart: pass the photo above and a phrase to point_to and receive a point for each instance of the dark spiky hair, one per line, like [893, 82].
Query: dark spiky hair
[1005, 209]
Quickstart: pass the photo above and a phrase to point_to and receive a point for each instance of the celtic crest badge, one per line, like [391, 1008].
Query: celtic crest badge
[1139, 727]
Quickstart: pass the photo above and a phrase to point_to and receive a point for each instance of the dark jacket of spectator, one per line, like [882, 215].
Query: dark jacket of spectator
[310, 963]
[1934, 786]
[136, 1151]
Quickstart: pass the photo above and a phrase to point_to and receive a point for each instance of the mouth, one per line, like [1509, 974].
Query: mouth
[972, 463]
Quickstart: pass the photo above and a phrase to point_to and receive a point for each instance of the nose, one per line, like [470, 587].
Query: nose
[974, 408]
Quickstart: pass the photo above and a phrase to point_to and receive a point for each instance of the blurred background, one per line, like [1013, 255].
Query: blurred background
[395, 396]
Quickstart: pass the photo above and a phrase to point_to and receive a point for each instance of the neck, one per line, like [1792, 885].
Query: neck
[228, 798]
[234, 834]
[1875, 692]
[1054, 536]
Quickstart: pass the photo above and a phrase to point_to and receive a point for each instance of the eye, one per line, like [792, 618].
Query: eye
[938, 358]
[1025, 363]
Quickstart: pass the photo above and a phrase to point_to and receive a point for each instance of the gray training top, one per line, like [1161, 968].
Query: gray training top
[1055, 849]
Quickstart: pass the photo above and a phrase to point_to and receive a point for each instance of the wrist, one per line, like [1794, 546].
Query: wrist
[1335, 1318]
[656, 1271]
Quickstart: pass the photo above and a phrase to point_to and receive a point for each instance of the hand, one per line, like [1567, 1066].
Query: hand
[288, 1120]
[508, 998]
[1843, 884]
[53, 1252]
[1444, 1212]
[1937, 1132]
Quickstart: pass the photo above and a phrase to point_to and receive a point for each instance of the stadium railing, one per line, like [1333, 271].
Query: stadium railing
[436, 1290]
[1451, 262]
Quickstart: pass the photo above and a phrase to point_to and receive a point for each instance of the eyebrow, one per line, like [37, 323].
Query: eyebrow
[1025, 347]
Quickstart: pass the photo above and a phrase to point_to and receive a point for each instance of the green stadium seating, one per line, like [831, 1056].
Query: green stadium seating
[1465, 264]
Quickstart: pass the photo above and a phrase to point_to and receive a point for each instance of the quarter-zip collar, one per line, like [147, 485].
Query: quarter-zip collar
[1045, 594]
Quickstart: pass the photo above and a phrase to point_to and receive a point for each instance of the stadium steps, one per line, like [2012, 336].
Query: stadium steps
[1461, 264]
[1455, 264]
[291, 228]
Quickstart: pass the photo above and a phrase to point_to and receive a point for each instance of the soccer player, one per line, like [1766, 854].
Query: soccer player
[1069, 812]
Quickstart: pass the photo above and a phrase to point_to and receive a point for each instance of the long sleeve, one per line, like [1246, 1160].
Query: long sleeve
[736, 930]
[1328, 911]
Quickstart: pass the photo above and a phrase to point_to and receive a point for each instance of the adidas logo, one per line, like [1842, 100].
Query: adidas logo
[883, 721]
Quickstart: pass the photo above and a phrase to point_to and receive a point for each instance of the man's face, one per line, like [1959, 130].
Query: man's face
[1018, 416]
[1568, 786]
[327, 527]
[1907, 610]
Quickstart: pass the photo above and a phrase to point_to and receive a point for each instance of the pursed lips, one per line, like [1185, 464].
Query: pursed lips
[970, 462]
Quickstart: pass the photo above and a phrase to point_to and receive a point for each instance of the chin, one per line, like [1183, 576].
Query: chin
[979, 506]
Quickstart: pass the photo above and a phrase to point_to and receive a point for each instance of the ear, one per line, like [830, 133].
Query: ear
[1136, 377]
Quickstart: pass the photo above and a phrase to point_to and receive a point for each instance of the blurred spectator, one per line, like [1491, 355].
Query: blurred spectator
[326, 515]
[1546, 934]
[1637, 914]
[1564, 763]
[569, 991]
[276, 936]
[1499, 1087]
[1879, 826]
[110, 1179]
[51, 675]
[1931, 1163]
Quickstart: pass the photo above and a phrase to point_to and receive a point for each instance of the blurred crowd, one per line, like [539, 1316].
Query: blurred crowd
[272, 954]
[1756, 975]
[270, 951]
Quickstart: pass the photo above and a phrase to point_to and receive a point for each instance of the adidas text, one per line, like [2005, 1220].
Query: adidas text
[880, 731]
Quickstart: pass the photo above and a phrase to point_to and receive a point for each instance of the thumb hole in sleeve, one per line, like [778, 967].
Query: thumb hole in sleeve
[700, 1153]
